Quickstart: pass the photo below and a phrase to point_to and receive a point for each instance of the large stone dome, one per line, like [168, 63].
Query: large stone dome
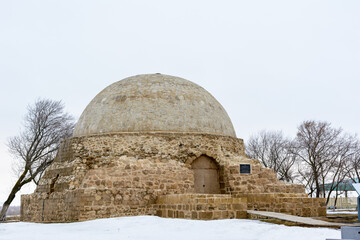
[154, 103]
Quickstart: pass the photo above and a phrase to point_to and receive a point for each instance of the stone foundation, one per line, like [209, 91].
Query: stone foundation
[129, 174]
[201, 206]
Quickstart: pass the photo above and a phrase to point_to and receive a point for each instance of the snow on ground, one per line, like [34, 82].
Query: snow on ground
[149, 227]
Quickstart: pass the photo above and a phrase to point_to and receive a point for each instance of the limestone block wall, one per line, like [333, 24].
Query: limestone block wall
[60, 207]
[293, 204]
[126, 174]
[264, 192]
[121, 174]
[261, 180]
[79, 155]
[130, 186]
[201, 206]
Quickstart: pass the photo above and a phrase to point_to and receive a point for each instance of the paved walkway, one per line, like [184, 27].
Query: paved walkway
[292, 218]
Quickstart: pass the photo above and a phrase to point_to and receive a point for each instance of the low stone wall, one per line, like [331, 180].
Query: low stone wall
[224, 206]
[201, 206]
[294, 204]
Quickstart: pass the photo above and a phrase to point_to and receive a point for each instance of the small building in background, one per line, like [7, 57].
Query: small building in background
[343, 194]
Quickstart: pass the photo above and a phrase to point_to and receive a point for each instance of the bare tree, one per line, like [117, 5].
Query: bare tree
[353, 166]
[45, 126]
[322, 153]
[272, 149]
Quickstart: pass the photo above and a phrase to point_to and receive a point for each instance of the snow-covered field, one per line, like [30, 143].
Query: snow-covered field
[148, 227]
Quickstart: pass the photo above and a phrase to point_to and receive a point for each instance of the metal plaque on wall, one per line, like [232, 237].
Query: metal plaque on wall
[245, 168]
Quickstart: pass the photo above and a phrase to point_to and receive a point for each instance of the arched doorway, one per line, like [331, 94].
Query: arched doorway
[206, 175]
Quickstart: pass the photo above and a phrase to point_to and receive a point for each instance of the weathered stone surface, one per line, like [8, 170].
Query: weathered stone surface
[154, 102]
[131, 174]
[201, 206]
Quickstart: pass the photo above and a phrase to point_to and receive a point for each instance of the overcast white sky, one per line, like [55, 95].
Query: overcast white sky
[271, 64]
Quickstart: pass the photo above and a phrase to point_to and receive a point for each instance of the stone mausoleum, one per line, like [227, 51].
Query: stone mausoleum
[158, 145]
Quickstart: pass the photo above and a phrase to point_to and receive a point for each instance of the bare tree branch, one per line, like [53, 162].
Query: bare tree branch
[323, 152]
[45, 126]
[272, 149]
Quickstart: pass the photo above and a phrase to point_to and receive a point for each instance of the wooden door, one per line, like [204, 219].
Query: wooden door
[206, 175]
